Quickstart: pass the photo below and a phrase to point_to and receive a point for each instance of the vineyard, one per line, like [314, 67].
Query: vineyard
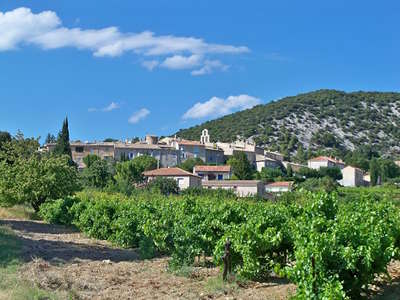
[331, 249]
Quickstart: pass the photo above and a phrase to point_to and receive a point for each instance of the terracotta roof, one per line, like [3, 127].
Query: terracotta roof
[355, 168]
[231, 182]
[280, 184]
[225, 168]
[168, 172]
[190, 143]
[325, 158]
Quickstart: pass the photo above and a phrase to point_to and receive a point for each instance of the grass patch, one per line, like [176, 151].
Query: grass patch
[216, 285]
[11, 286]
[19, 212]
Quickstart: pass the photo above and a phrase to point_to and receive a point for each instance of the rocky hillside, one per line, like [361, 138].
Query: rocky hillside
[324, 119]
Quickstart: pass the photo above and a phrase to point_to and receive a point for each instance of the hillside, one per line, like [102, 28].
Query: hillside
[324, 119]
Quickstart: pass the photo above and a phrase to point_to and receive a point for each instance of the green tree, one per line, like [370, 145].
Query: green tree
[270, 174]
[388, 169]
[5, 137]
[36, 180]
[145, 163]
[374, 171]
[89, 159]
[241, 166]
[130, 172]
[98, 174]
[190, 163]
[333, 172]
[19, 148]
[289, 171]
[301, 156]
[163, 185]
[308, 173]
[63, 146]
[110, 140]
[50, 139]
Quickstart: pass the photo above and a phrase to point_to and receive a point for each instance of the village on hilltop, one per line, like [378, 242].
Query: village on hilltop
[170, 152]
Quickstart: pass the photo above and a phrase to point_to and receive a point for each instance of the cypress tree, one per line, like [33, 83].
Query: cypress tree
[63, 146]
[374, 171]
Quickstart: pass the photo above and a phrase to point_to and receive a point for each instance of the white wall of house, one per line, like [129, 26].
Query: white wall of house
[184, 182]
[277, 189]
[318, 164]
[352, 177]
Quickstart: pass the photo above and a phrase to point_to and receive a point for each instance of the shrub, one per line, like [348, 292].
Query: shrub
[58, 211]
[165, 186]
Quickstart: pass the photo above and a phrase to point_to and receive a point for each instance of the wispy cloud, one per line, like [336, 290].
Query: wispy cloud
[112, 106]
[209, 66]
[150, 64]
[21, 26]
[216, 107]
[139, 115]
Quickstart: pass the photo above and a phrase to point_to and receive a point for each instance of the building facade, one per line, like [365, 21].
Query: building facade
[325, 161]
[183, 178]
[213, 172]
[242, 188]
[352, 177]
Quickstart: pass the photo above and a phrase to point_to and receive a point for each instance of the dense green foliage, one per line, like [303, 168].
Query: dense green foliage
[36, 180]
[98, 174]
[163, 185]
[130, 172]
[5, 137]
[31, 177]
[190, 163]
[63, 146]
[241, 167]
[366, 118]
[331, 249]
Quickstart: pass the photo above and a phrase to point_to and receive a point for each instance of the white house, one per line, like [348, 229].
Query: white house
[183, 178]
[213, 172]
[242, 188]
[279, 187]
[352, 176]
[325, 161]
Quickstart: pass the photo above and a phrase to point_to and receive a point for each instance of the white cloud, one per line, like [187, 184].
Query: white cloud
[21, 26]
[178, 62]
[209, 66]
[216, 107]
[150, 64]
[139, 115]
[112, 106]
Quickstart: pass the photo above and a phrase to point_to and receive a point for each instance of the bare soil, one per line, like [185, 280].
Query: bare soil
[61, 259]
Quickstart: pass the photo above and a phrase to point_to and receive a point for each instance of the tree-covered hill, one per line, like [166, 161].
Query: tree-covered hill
[324, 119]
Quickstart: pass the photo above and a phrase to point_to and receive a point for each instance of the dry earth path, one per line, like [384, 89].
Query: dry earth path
[61, 259]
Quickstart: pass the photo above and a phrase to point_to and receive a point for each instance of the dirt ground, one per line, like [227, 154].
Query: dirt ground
[63, 260]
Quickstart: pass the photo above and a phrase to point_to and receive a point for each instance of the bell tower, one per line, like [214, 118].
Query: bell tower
[205, 137]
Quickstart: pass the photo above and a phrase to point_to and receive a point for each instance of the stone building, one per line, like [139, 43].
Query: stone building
[242, 188]
[183, 178]
[213, 172]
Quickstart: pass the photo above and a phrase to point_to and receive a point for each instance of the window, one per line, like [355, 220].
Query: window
[131, 155]
[79, 149]
[220, 177]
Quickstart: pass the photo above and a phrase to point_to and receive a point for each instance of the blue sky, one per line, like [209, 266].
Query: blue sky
[126, 68]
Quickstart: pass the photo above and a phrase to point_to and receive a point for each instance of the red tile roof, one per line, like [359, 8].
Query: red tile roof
[280, 184]
[325, 158]
[168, 172]
[212, 168]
